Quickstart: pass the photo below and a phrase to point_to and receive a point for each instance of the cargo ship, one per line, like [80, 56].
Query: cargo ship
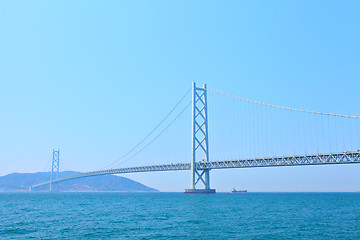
[238, 191]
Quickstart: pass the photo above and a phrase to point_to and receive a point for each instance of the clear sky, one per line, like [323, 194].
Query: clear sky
[93, 77]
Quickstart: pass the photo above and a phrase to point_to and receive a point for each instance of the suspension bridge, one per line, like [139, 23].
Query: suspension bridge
[260, 135]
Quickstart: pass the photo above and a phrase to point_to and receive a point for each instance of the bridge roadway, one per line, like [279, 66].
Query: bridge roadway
[317, 159]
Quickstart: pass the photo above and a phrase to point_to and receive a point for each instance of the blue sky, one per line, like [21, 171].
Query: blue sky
[93, 77]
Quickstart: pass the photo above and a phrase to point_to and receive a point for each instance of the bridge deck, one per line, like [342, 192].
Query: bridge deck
[317, 159]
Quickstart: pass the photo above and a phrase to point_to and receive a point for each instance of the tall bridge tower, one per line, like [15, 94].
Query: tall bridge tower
[200, 140]
[54, 166]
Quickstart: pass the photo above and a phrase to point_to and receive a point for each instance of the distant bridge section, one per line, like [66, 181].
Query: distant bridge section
[300, 160]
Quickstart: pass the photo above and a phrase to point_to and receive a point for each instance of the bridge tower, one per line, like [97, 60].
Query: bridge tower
[200, 140]
[54, 166]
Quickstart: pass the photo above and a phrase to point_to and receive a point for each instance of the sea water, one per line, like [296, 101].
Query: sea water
[179, 216]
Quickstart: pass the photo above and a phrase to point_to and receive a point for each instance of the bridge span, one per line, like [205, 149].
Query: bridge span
[251, 138]
[316, 159]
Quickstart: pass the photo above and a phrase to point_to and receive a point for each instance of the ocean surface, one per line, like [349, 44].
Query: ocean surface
[179, 216]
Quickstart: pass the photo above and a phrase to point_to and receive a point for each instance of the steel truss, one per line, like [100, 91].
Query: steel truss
[200, 140]
[317, 159]
[55, 167]
[301, 160]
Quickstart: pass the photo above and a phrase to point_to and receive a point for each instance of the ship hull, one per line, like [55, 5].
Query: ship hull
[240, 191]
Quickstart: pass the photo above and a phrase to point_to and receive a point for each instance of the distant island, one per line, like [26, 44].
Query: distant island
[17, 182]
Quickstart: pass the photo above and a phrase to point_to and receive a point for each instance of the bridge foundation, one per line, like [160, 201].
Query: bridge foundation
[200, 191]
[200, 140]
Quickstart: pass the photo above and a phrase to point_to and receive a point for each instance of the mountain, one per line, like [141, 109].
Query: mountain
[21, 182]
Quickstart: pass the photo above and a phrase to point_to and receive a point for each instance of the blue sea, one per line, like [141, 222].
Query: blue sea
[179, 216]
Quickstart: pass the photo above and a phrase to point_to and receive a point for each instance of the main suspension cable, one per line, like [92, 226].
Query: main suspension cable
[151, 132]
[277, 106]
[157, 136]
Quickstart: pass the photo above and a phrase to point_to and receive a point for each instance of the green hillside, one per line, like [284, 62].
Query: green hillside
[21, 182]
